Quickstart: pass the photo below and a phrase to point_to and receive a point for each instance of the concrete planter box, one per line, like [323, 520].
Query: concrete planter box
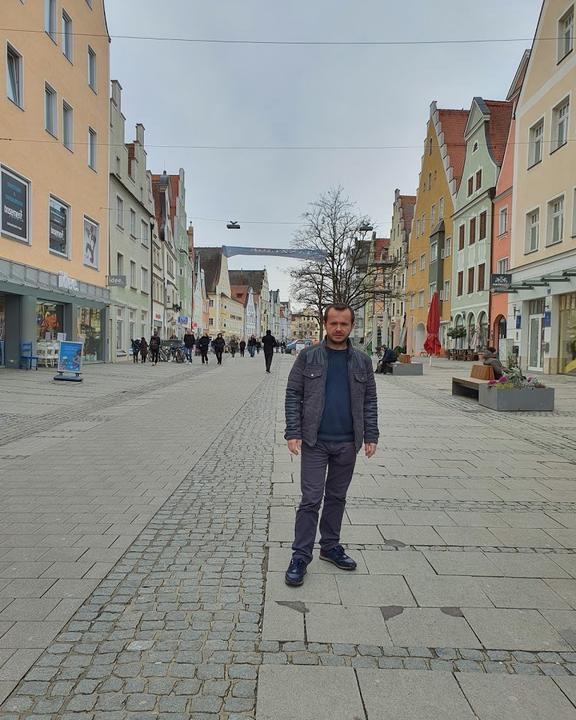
[408, 369]
[520, 400]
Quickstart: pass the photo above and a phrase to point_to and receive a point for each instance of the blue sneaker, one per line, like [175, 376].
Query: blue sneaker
[295, 573]
[338, 557]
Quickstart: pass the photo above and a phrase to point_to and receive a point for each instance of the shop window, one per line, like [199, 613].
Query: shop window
[49, 320]
[59, 227]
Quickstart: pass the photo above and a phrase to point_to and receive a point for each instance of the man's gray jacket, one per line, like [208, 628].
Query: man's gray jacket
[306, 391]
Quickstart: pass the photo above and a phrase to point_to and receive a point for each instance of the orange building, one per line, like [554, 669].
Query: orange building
[429, 267]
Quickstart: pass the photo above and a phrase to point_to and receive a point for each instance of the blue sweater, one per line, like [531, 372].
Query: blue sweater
[336, 424]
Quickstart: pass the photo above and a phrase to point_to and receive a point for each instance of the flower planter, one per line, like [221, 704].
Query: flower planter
[517, 399]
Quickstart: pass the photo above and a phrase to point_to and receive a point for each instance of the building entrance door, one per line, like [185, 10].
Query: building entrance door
[536, 342]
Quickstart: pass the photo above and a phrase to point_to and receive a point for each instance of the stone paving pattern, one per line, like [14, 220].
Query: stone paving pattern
[146, 524]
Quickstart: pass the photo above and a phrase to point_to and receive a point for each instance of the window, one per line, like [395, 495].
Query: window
[470, 186]
[14, 76]
[532, 231]
[432, 290]
[461, 237]
[478, 179]
[481, 277]
[472, 237]
[50, 18]
[211, 303]
[482, 233]
[433, 252]
[433, 215]
[144, 232]
[133, 275]
[566, 34]
[535, 143]
[470, 280]
[67, 36]
[475, 147]
[58, 227]
[447, 247]
[421, 298]
[413, 267]
[429, 146]
[503, 221]
[560, 124]
[440, 209]
[502, 266]
[92, 148]
[119, 264]
[119, 212]
[67, 125]
[423, 261]
[446, 291]
[555, 221]
[50, 112]
[460, 283]
[211, 321]
[132, 223]
[92, 68]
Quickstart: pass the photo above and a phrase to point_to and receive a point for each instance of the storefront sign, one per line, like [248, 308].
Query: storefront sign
[547, 321]
[91, 240]
[58, 227]
[518, 322]
[117, 281]
[65, 282]
[501, 281]
[183, 319]
[14, 206]
[70, 357]
[157, 316]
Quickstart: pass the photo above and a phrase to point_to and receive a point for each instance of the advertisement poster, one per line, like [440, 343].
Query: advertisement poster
[14, 206]
[70, 357]
[91, 240]
[58, 227]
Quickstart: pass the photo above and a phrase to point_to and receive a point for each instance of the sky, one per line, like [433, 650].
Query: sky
[226, 94]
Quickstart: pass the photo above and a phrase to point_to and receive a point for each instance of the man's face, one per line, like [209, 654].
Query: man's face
[338, 326]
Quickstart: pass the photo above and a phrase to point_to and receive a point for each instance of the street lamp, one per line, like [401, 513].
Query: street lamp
[233, 225]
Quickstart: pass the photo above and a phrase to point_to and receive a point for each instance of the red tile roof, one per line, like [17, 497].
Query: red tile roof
[453, 124]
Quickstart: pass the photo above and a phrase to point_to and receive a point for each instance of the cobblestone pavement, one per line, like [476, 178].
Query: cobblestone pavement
[463, 525]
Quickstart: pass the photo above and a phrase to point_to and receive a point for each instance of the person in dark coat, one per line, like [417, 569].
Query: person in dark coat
[242, 347]
[218, 344]
[269, 343]
[385, 364]
[143, 349]
[204, 345]
[189, 342]
[492, 359]
[135, 349]
[154, 347]
[251, 345]
[233, 346]
[258, 346]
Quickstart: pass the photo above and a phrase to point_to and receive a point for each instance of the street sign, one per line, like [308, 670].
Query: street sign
[501, 281]
[117, 281]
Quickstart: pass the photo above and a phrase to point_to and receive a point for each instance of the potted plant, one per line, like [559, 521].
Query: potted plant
[515, 393]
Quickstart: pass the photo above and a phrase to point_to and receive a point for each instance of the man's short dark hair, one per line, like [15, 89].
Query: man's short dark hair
[339, 307]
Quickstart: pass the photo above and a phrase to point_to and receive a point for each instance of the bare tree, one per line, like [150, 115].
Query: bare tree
[346, 273]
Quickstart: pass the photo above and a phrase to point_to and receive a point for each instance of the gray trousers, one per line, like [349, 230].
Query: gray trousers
[326, 472]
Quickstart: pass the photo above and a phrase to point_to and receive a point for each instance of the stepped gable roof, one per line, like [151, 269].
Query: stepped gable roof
[498, 127]
[210, 262]
[453, 125]
[248, 278]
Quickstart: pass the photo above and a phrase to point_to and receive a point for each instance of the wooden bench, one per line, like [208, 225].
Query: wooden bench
[470, 386]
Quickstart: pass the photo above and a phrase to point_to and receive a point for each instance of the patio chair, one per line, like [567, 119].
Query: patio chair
[27, 359]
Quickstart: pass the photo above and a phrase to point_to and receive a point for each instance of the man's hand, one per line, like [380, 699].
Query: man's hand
[369, 449]
[294, 446]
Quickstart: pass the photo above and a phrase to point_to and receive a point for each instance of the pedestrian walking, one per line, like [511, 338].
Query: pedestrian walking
[269, 343]
[154, 346]
[331, 410]
[143, 349]
[258, 346]
[251, 345]
[242, 347]
[233, 346]
[204, 345]
[189, 342]
[135, 349]
[174, 345]
[218, 345]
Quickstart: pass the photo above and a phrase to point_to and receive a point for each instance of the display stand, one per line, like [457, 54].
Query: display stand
[70, 361]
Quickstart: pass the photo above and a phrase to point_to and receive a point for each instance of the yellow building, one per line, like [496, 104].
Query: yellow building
[429, 267]
[542, 312]
[304, 325]
[54, 175]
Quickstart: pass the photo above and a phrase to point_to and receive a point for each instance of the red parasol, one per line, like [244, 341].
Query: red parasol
[432, 344]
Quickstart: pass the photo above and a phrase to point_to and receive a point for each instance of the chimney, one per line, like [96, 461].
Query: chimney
[140, 134]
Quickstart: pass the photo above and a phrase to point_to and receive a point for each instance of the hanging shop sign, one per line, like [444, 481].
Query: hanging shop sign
[183, 319]
[501, 281]
[14, 194]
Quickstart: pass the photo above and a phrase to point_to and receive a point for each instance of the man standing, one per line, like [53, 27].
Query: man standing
[204, 345]
[189, 342]
[218, 345]
[269, 343]
[154, 346]
[331, 410]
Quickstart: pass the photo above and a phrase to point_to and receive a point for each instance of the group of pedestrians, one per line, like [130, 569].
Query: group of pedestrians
[141, 349]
